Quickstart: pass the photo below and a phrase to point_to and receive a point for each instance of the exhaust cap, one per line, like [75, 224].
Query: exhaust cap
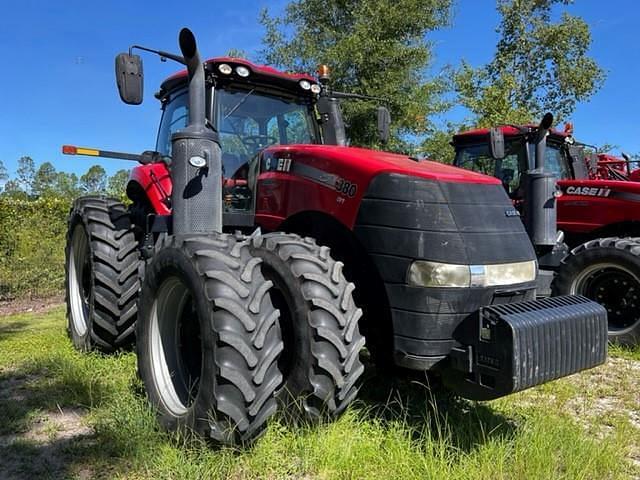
[187, 42]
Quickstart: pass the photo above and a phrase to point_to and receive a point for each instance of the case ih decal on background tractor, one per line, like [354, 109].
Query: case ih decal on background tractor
[598, 210]
[426, 259]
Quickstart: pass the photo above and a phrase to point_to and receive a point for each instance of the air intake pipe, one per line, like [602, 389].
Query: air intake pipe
[196, 169]
[540, 205]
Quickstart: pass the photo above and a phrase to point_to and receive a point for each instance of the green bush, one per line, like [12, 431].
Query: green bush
[32, 241]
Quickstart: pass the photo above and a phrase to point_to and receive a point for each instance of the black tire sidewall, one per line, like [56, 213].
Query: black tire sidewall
[169, 262]
[578, 262]
[296, 378]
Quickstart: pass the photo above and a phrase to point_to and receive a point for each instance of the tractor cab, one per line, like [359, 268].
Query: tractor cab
[251, 107]
[474, 152]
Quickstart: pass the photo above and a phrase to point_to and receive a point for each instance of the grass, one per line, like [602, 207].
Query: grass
[559, 430]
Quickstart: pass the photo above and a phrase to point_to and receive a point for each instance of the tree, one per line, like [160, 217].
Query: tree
[66, 185]
[374, 47]
[25, 174]
[237, 53]
[44, 180]
[117, 183]
[4, 175]
[94, 181]
[539, 66]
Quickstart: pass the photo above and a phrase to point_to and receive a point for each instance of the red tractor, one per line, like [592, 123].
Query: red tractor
[597, 210]
[427, 260]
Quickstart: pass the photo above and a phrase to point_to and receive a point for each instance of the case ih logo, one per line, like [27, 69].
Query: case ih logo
[589, 191]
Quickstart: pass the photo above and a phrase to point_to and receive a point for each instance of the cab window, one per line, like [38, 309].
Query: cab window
[554, 161]
[174, 118]
[250, 120]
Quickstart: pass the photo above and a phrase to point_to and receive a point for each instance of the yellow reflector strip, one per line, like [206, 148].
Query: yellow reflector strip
[88, 151]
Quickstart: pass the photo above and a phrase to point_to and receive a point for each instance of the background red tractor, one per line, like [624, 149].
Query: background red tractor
[597, 211]
[230, 326]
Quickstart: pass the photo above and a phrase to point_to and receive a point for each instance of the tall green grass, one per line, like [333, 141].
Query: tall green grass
[399, 432]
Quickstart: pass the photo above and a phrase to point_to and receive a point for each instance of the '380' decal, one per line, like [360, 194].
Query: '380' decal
[346, 187]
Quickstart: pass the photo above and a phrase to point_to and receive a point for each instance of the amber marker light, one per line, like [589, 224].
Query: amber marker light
[68, 150]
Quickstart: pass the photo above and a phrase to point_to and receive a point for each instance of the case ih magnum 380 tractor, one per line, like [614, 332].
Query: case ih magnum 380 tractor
[427, 260]
[597, 210]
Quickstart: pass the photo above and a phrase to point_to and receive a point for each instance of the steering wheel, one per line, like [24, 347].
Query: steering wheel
[258, 142]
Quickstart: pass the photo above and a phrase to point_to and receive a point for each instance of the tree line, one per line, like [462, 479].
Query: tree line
[30, 183]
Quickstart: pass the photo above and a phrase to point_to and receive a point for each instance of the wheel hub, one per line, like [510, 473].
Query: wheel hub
[616, 289]
[79, 271]
[176, 346]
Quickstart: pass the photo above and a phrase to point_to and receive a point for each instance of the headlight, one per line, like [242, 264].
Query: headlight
[433, 274]
[315, 88]
[242, 71]
[225, 68]
[510, 273]
[423, 273]
[304, 84]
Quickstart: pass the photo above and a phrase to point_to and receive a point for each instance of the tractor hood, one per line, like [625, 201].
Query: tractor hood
[364, 164]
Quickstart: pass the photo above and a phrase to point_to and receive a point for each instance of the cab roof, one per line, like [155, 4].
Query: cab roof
[507, 130]
[258, 73]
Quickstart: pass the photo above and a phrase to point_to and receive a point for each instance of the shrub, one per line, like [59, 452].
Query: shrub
[32, 241]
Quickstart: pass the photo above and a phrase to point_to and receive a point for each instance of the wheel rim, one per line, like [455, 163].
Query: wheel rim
[615, 288]
[176, 346]
[79, 280]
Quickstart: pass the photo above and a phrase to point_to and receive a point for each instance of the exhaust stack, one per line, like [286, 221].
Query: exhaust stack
[540, 207]
[196, 170]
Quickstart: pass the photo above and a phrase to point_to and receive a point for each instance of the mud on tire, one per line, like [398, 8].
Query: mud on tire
[319, 322]
[606, 270]
[208, 338]
[101, 275]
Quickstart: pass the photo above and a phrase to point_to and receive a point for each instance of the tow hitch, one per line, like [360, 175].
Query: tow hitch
[510, 347]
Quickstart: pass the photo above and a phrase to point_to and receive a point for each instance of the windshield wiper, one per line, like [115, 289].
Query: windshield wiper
[237, 105]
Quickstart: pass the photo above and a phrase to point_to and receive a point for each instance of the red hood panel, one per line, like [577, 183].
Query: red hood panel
[373, 162]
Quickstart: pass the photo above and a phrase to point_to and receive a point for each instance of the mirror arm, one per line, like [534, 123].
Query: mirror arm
[163, 55]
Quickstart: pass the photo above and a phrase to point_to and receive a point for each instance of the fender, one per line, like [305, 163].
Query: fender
[155, 182]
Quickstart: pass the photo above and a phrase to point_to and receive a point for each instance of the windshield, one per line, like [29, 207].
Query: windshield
[248, 121]
[479, 159]
[510, 168]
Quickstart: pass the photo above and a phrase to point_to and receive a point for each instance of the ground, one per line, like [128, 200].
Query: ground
[67, 415]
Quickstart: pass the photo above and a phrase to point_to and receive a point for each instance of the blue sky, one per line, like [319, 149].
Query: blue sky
[58, 83]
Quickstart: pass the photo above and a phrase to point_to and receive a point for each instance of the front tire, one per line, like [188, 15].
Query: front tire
[101, 275]
[319, 322]
[209, 339]
[606, 270]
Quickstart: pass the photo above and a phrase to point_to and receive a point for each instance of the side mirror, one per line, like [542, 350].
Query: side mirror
[129, 78]
[384, 123]
[496, 143]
